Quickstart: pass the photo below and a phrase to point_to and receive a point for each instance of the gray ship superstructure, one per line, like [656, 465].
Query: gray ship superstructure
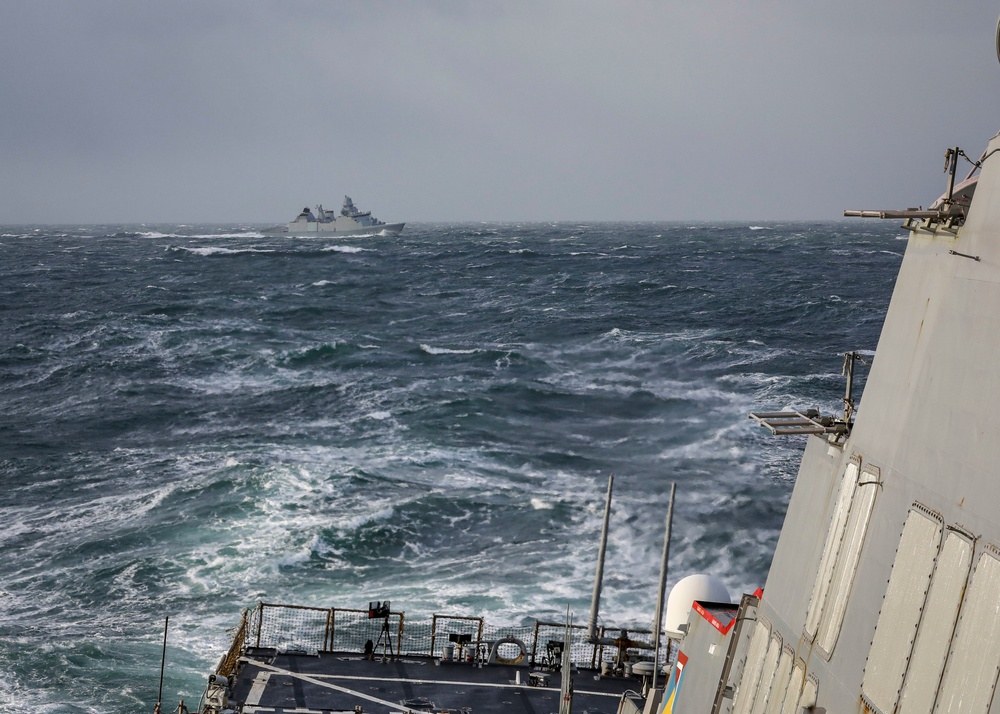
[884, 591]
[350, 221]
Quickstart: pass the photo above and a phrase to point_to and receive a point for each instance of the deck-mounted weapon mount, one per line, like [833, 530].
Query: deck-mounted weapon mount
[950, 210]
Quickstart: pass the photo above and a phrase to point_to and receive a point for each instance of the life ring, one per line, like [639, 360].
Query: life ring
[495, 658]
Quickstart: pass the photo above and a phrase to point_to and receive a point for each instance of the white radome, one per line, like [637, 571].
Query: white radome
[694, 587]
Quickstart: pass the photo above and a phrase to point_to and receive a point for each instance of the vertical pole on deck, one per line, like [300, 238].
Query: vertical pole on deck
[163, 661]
[595, 600]
[658, 618]
[566, 688]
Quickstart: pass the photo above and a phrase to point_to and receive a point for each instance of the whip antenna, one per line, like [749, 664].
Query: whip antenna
[595, 600]
[163, 661]
[658, 617]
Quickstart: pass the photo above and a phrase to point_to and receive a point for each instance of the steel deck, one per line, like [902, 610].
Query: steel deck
[330, 682]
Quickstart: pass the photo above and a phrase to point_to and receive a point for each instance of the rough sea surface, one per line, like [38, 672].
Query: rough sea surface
[195, 418]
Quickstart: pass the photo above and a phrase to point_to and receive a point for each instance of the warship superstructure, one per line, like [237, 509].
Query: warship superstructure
[350, 221]
[884, 590]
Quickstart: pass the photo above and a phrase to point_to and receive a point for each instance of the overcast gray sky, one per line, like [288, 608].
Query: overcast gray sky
[202, 111]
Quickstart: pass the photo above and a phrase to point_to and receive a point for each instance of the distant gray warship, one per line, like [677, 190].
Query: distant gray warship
[351, 221]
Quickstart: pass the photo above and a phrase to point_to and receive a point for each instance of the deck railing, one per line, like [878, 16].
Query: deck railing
[294, 628]
[238, 644]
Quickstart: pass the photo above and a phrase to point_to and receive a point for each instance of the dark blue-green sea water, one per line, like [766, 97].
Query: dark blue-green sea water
[195, 418]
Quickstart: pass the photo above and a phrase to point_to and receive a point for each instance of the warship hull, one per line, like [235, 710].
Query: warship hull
[349, 222]
[329, 229]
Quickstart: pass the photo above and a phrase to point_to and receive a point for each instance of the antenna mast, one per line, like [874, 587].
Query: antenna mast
[163, 662]
[595, 600]
[658, 617]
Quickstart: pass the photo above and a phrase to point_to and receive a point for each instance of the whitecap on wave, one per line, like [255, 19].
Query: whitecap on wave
[249, 234]
[445, 351]
[344, 249]
[157, 234]
[218, 250]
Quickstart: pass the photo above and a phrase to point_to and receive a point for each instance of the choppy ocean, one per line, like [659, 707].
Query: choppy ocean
[194, 418]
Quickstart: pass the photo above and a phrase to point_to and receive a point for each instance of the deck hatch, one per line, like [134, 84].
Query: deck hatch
[794, 690]
[841, 553]
[847, 560]
[901, 608]
[747, 690]
[810, 692]
[780, 685]
[767, 677]
[971, 673]
[831, 547]
[930, 649]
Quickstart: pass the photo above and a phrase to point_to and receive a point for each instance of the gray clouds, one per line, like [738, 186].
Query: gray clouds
[246, 111]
